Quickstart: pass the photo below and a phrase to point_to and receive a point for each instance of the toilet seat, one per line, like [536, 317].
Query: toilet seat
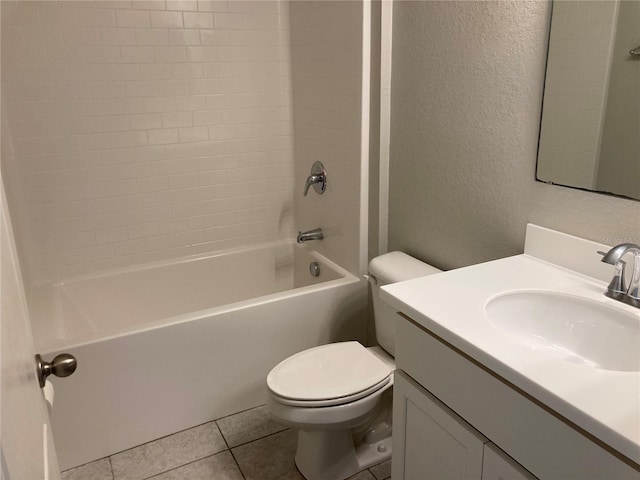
[331, 402]
[328, 375]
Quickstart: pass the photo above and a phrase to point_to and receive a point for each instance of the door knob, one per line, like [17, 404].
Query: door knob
[62, 365]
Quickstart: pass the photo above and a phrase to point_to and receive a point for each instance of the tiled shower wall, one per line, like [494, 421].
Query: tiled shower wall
[326, 53]
[141, 130]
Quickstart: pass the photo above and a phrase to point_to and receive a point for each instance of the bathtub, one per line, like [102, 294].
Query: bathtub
[167, 346]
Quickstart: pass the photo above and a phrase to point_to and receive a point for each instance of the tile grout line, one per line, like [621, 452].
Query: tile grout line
[238, 465]
[113, 475]
[224, 439]
[241, 411]
[168, 435]
[182, 465]
[185, 464]
[109, 457]
[226, 443]
[260, 438]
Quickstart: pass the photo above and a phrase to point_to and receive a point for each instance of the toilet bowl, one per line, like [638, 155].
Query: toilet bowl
[339, 396]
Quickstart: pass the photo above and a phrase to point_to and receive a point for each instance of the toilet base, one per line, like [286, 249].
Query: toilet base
[337, 455]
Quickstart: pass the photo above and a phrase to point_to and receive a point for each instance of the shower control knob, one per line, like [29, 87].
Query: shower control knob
[317, 178]
[62, 365]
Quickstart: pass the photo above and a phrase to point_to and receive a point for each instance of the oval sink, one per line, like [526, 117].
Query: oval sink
[576, 329]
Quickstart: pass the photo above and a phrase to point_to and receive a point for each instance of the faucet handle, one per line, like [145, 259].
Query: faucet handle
[317, 178]
[616, 288]
[634, 283]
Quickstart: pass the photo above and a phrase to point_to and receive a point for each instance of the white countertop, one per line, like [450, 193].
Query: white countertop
[452, 305]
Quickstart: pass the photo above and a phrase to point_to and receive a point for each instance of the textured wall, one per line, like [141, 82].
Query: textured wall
[142, 130]
[466, 98]
[326, 59]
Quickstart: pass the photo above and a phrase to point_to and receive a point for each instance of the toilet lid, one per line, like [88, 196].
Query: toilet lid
[327, 372]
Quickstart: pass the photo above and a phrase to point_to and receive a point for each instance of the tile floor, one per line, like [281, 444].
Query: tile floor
[244, 446]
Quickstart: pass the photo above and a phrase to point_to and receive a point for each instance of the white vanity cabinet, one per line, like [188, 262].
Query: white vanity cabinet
[432, 442]
[496, 465]
[448, 409]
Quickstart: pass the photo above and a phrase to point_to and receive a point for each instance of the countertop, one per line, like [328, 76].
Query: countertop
[451, 304]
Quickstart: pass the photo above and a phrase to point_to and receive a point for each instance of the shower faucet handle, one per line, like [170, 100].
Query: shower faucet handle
[318, 179]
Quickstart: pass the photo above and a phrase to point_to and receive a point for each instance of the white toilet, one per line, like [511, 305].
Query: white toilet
[338, 396]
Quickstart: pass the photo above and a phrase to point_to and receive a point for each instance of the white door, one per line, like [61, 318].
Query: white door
[26, 444]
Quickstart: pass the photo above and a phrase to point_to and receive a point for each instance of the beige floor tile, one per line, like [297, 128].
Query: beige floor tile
[270, 458]
[221, 466]
[167, 453]
[98, 470]
[364, 475]
[247, 426]
[382, 471]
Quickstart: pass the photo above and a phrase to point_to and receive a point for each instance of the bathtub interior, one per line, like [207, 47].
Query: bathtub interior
[118, 302]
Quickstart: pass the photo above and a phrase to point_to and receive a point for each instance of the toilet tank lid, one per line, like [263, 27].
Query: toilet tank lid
[398, 266]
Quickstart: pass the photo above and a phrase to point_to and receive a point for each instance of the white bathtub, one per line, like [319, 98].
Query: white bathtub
[168, 346]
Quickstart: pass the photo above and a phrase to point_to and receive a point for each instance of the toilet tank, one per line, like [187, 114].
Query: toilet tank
[390, 268]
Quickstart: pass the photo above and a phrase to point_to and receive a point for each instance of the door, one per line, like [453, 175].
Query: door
[27, 450]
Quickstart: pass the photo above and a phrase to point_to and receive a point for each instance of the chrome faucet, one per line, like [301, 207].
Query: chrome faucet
[315, 234]
[318, 179]
[617, 289]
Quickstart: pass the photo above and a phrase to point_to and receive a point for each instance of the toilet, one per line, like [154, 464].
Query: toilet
[339, 396]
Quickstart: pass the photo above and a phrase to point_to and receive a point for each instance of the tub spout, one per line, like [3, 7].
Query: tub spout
[315, 234]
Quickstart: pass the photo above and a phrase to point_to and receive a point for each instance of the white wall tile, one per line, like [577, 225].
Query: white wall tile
[100, 54]
[163, 136]
[143, 130]
[229, 20]
[197, 20]
[166, 19]
[133, 18]
[326, 60]
[152, 36]
[52, 14]
[194, 134]
[213, 5]
[182, 5]
[177, 119]
[148, 4]
[185, 36]
[170, 54]
[96, 17]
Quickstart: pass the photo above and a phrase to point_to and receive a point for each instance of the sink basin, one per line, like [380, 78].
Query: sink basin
[576, 329]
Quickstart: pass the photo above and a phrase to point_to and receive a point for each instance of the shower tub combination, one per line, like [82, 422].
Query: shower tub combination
[170, 345]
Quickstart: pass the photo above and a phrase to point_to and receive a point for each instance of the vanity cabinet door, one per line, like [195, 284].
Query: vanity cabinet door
[431, 442]
[497, 465]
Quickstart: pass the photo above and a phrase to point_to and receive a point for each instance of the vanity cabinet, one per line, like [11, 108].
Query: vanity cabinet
[496, 465]
[436, 443]
[451, 414]
[432, 442]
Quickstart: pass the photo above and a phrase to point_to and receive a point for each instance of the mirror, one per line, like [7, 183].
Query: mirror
[590, 128]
